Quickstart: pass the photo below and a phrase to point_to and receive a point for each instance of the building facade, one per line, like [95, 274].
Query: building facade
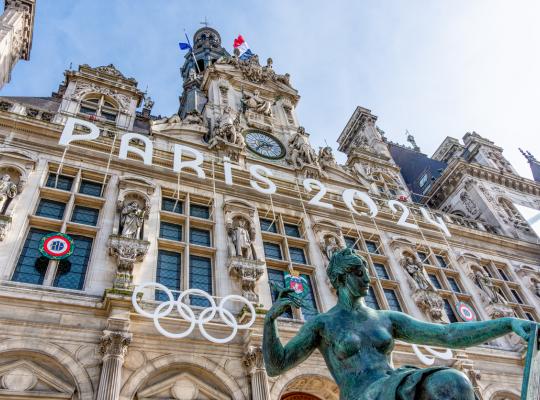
[258, 204]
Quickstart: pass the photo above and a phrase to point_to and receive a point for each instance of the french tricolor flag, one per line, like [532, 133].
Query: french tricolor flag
[242, 46]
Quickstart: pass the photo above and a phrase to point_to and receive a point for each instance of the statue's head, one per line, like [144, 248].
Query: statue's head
[6, 177]
[348, 269]
[331, 240]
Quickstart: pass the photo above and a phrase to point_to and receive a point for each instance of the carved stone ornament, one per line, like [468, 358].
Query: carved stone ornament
[495, 303]
[227, 130]
[8, 190]
[326, 158]
[127, 251]
[4, 226]
[253, 359]
[114, 343]
[469, 204]
[84, 88]
[248, 272]
[256, 103]
[300, 151]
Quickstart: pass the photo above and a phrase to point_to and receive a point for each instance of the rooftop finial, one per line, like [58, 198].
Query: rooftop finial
[412, 141]
[205, 22]
[528, 156]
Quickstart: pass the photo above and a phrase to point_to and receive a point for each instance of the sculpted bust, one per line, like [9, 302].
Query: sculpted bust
[356, 342]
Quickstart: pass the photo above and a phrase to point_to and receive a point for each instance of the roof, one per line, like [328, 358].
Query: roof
[50, 104]
[413, 166]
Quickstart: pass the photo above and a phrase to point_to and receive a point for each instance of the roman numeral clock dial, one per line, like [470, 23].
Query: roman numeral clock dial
[264, 145]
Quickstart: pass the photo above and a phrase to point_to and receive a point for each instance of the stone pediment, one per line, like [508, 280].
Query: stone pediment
[25, 379]
[183, 386]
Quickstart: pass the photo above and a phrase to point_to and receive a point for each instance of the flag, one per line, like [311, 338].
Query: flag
[185, 45]
[242, 46]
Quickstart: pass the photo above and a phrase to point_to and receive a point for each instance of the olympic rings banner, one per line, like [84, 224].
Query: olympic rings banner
[185, 311]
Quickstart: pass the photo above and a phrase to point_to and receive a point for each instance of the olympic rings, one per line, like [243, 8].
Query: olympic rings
[185, 311]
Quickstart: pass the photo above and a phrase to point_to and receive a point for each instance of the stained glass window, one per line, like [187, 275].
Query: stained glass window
[64, 182]
[309, 298]
[90, 188]
[371, 299]
[277, 276]
[199, 211]
[199, 236]
[381, 271]
[435, 281]
[297, 255]
[200, 277]
[172, 205]
[272, 250]
[72, 270]
[85, 215]
[441, 261]
[268, 225]
[450, 311]
[170, 231]
[372, 247]
[453, 284]
[292, 230]
[31, 266]
[169, 265]
[392, 299]
[51, 209]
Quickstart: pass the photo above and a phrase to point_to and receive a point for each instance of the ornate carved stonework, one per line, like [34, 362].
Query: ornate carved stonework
[469, 204]
[256, 103]
[128, 252]
[253, 359]
[300, 151]
[4, 226]
[248, 272]
[227, 133]
[114, 343]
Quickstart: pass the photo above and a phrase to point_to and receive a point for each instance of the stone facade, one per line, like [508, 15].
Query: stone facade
[69, 329]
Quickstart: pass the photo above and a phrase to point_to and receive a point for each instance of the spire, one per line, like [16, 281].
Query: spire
[527, 154]
[534, 164]
[412, 141]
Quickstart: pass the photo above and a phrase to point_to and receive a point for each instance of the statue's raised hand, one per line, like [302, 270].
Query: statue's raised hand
[285, 300]
[523, 328]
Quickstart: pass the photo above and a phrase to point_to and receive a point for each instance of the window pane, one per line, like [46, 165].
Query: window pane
[172, 205]
[381, 271]
[454, 285]
[31, 266]
[200, 237]
[277, 277]
[309, 298]
[529, 316]
[170, 231]
[72, 270]
[441, 261]
[516, 296]
[199, 211]
[450, 311]
[371, 299]
[90, 188]
[392, 299]
[372, 247]
[169, 266]
[297, 255]
[423, 257]
[87, 110]
[268, 225]
[503, 275]
[200, 277]
[351, 242]
[64, 182]
[85, 215]
[50, 209]
[272, 250]
[435, 281]
[292, 230]
[108, 116]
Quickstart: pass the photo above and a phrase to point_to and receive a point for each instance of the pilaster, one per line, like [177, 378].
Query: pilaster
[254, 362]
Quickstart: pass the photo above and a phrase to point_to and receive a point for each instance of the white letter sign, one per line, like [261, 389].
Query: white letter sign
[179, 165]
[348, 197]
[393, 204]
[255, 171]
[316, 200]
[125, 147]
[67, 134]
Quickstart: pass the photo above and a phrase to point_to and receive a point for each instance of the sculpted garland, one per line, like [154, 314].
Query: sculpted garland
[260, 173]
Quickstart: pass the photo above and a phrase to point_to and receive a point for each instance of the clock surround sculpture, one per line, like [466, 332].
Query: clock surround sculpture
[357, 341]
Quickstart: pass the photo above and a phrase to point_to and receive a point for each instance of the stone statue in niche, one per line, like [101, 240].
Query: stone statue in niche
[132, 220]
[256, 103]
[241, 237]
[301, 153]
[484, 282]
[8, 190]
[227, 130]
[330, 245]
[416, 270]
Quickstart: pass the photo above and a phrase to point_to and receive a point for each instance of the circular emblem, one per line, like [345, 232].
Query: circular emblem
[295, 283]
[465, 311]
[56, 246]
[264, 145]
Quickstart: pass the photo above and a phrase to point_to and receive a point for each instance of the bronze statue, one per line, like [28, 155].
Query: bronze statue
[357, 342]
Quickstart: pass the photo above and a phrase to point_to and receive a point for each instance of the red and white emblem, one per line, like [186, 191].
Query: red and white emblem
[56, 246]
[465, 311]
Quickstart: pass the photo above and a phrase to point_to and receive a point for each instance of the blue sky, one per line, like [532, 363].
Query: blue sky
[436, 68]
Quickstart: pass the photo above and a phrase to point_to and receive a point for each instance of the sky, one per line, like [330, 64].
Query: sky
[434, 68]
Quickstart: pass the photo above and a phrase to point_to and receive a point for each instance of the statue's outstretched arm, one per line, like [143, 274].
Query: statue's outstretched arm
[458, 334]
[279, 358]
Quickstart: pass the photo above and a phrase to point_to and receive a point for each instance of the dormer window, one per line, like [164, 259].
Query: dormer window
[99, 106]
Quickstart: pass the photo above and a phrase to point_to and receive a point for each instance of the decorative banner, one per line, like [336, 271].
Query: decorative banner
[56, 246]
[186, 313]
[465, 311]
[295, 282]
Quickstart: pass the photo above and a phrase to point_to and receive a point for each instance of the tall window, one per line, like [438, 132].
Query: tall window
[392, 299]
[200, 277]
[277, 277]
[371, 299]
[450, 311]
[31, 266]
[169, 265]
[85, 215]
[99, 106]
[72, 270]
[170, 231]
[90, 188]
[268, 225]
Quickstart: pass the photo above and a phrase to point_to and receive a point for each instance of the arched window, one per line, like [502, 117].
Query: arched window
[99, 106]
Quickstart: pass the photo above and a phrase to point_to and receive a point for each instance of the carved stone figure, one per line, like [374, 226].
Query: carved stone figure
[326, 158]
[301, 153]
[485, 283]
[8, 190]
[416, 270]
[241, 236]
[252, 70]
[227, 130]
[330, 246]
[471, 207]
[193, 118]
[536, 285]
[256, 103]
[131, 220]
[357, 341]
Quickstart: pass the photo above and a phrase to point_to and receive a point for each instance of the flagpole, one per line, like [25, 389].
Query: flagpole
[192, 55]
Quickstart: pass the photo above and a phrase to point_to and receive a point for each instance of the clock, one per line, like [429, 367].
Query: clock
[264, 145]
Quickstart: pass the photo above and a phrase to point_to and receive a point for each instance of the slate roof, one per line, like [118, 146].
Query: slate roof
[413, 166]
[50, 104]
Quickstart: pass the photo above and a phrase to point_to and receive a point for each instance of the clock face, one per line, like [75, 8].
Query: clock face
[264, 145]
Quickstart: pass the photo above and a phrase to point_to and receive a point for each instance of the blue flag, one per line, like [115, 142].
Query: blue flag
[184, 46]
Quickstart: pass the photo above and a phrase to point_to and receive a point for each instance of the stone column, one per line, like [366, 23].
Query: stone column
[253, 360]
[113, 347]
